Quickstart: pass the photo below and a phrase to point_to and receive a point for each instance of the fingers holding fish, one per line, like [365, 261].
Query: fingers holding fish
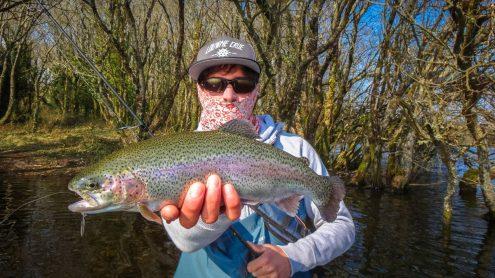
[170, 213]
[205, 200]
[232, 202]
[211, 207]
[192, 205]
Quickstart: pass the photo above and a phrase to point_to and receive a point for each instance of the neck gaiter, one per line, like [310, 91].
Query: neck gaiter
[216, 111]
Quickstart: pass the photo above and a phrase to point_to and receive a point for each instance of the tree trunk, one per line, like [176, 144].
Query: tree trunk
[2, 78]
[314, 92]
[141, 100]
[468, 21]
[35, 118]
[452, 180]
[166, 103]
[10, 107]
[470, 101]
[484, 169]
[375, 166]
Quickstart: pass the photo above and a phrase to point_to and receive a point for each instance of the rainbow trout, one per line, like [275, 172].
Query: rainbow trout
[141, 176]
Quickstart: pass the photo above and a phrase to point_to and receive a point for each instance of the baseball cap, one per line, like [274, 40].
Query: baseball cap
[221, 51]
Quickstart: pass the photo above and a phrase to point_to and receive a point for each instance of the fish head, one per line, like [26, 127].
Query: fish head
[104, 192]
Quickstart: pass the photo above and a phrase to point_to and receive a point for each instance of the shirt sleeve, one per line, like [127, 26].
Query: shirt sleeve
[331, 239]
[197, 237]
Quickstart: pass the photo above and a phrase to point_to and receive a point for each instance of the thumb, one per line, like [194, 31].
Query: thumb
[256, 248]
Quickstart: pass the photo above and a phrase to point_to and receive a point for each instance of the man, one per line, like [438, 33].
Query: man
[227, 74]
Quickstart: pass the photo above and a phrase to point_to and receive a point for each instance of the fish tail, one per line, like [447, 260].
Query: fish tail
[328, 200]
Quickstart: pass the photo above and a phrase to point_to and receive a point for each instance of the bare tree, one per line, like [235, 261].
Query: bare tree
[14, 36]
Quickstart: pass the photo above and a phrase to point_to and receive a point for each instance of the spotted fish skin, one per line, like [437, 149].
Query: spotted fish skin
[160, 169]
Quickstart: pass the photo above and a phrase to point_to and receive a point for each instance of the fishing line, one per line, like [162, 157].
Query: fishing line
[83, 223]
[32, 201]
[252, 252]
[94, 68]
[122, 102]
[274, 223]
[104, 99]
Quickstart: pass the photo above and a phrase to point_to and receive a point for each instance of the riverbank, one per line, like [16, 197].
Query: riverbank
[58, 150]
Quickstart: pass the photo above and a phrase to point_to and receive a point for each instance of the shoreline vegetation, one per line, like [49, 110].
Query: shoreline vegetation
[69, 149]
[66, 149]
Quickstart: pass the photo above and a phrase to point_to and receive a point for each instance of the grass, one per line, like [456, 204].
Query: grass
[85, 143]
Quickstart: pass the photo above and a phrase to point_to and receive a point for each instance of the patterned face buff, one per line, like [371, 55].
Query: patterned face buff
[216, 111]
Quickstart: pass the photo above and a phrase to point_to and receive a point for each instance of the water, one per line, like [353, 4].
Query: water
[43, 239]
[397, 235]
[402, 235]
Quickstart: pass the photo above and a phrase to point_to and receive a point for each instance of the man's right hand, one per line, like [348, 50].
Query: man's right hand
[205, 200]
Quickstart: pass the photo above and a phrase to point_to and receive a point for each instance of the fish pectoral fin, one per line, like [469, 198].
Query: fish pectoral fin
[149, 215]
[290, 205]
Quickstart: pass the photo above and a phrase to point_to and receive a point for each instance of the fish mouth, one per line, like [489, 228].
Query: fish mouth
[85, 206]
[89, 203]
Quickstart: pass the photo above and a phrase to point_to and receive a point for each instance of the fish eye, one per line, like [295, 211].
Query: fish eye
[92, 185]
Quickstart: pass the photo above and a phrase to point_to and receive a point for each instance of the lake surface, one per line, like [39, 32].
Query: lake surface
[397, 235]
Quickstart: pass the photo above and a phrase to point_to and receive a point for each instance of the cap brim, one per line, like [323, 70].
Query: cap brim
[196, 68]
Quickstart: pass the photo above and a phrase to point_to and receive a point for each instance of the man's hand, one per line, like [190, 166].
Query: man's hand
[272, 262]
[205, 200]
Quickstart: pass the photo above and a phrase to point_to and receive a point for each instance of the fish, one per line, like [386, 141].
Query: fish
[145, 176]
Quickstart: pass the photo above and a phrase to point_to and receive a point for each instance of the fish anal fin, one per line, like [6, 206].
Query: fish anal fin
[249, 202]
[149, 215]
[290, 205]
[240, 127]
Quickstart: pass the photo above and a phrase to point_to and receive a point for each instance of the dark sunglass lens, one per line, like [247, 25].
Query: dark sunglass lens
[213, 84]
[243, 86]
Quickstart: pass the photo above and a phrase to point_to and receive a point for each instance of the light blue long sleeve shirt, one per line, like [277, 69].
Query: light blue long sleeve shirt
[330, 240]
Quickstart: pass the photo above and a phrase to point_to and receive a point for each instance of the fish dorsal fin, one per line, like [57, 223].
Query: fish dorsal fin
[305, 160]
[290, 205]
[240, 127]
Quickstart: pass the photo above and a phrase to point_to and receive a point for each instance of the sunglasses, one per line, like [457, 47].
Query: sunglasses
[241, 85]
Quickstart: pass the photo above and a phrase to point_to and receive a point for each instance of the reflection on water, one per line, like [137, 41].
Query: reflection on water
[396, 235]
[402, 235]
[43, 239]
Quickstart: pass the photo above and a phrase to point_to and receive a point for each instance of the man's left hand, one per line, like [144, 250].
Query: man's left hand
[272, 262]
